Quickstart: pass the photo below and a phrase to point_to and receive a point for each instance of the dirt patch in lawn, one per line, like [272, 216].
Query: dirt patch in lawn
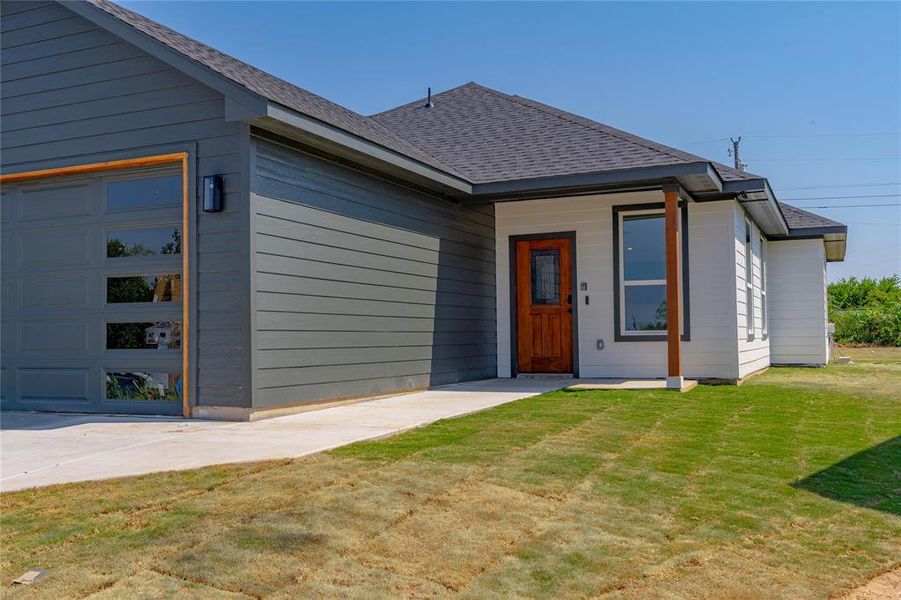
[884, 587]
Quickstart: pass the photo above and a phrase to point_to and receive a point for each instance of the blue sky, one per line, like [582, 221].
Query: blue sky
[813, 88]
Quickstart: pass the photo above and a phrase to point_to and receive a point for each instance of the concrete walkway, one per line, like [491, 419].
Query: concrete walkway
[42, 449]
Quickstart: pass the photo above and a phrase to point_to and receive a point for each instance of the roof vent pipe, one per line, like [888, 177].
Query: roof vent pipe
[428, 103]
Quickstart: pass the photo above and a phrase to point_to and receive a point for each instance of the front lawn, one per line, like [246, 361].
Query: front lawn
[787, 486]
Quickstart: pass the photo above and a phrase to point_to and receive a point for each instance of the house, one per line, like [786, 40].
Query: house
[322, 255]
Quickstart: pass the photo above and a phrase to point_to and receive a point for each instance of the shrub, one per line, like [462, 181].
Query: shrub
[866, 311]
[880, 325]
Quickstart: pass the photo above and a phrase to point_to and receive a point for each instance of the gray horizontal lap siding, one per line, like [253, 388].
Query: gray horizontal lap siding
[363, 286]
[73, 93]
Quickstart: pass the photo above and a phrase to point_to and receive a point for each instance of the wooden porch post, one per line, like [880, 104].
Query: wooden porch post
[673, 300]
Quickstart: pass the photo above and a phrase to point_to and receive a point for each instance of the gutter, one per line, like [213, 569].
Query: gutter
[689, 174]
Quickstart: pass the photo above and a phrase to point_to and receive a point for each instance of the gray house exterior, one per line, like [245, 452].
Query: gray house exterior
[353, 256]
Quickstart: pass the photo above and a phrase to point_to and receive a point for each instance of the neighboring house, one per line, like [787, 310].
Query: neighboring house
[481, 235]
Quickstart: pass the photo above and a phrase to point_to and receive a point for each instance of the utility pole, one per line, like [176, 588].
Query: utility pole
[734, 154]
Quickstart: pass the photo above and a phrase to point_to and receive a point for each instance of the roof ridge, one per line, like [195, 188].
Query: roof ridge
[596, 126]
[418, 100]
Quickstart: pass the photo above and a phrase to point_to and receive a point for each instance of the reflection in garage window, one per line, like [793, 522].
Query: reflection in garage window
[149, 192]
[143, 385]
[144, 288]
[153, 335]
[153, 241]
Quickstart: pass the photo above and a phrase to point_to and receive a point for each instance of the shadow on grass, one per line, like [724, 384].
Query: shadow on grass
[871, 478]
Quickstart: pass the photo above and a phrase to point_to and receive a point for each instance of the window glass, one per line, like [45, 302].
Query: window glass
[645, 308]
[643, 247]
[144, 288]
[149, 192]
[143, 385]
[152, 335]
[763, 317]
[546, 277]
[151, 241]
[749, 281]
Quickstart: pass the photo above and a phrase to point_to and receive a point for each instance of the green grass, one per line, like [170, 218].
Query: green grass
[787, 486]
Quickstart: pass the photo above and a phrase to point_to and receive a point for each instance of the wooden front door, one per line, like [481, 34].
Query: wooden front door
[544, 306]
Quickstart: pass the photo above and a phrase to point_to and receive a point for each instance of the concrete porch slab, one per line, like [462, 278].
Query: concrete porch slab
[38, 449]
[629, 384]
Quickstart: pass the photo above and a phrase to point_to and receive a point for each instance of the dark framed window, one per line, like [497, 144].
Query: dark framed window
[639, 272]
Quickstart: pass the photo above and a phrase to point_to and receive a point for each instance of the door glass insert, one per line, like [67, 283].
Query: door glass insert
[545, 277]
[147, 192]
[147, 335]
[150, 241]
[154, 386]
[144, 288]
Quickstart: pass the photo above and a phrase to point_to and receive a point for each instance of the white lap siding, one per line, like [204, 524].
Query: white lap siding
[753, 350]
[797, 292]
[710, 353]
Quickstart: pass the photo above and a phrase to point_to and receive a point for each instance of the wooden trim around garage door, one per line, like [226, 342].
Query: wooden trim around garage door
[138, 163]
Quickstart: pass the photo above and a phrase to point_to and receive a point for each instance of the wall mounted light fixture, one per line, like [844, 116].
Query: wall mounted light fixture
[212, 193]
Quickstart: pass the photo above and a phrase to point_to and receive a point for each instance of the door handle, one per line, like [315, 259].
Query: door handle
[569, 310]
[569, 299]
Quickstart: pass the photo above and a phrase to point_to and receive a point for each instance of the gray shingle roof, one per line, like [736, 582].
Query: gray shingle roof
[798, 218]
[472, 132]
[491, 136]
[269, 86]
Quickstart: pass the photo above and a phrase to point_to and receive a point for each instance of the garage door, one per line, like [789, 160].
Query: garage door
[92, 293]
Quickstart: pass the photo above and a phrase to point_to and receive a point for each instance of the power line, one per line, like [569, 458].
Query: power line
[831, 187]
[844, 197]
[819, 135]
[798, 136]
[852, 206]
[824, 158]
[872, 223]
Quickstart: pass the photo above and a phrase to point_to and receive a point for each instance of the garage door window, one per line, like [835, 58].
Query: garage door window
[147, 192]
[144, 335]
[144, 288]
[143, 385]
[150, 241]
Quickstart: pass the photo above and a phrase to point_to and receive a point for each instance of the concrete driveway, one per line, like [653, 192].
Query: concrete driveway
[42, 449]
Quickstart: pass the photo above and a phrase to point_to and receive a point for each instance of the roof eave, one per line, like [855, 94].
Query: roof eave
[757, 197]
[835, 239]
[290, 123]
[698, 177]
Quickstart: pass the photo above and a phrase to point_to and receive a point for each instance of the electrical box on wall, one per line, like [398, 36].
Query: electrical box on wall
[212, 193]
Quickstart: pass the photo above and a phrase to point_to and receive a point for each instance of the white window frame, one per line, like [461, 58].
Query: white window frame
[622, 215]
[763, 312]
[749, 282]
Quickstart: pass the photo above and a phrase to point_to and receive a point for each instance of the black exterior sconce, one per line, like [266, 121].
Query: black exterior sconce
[212, 193]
